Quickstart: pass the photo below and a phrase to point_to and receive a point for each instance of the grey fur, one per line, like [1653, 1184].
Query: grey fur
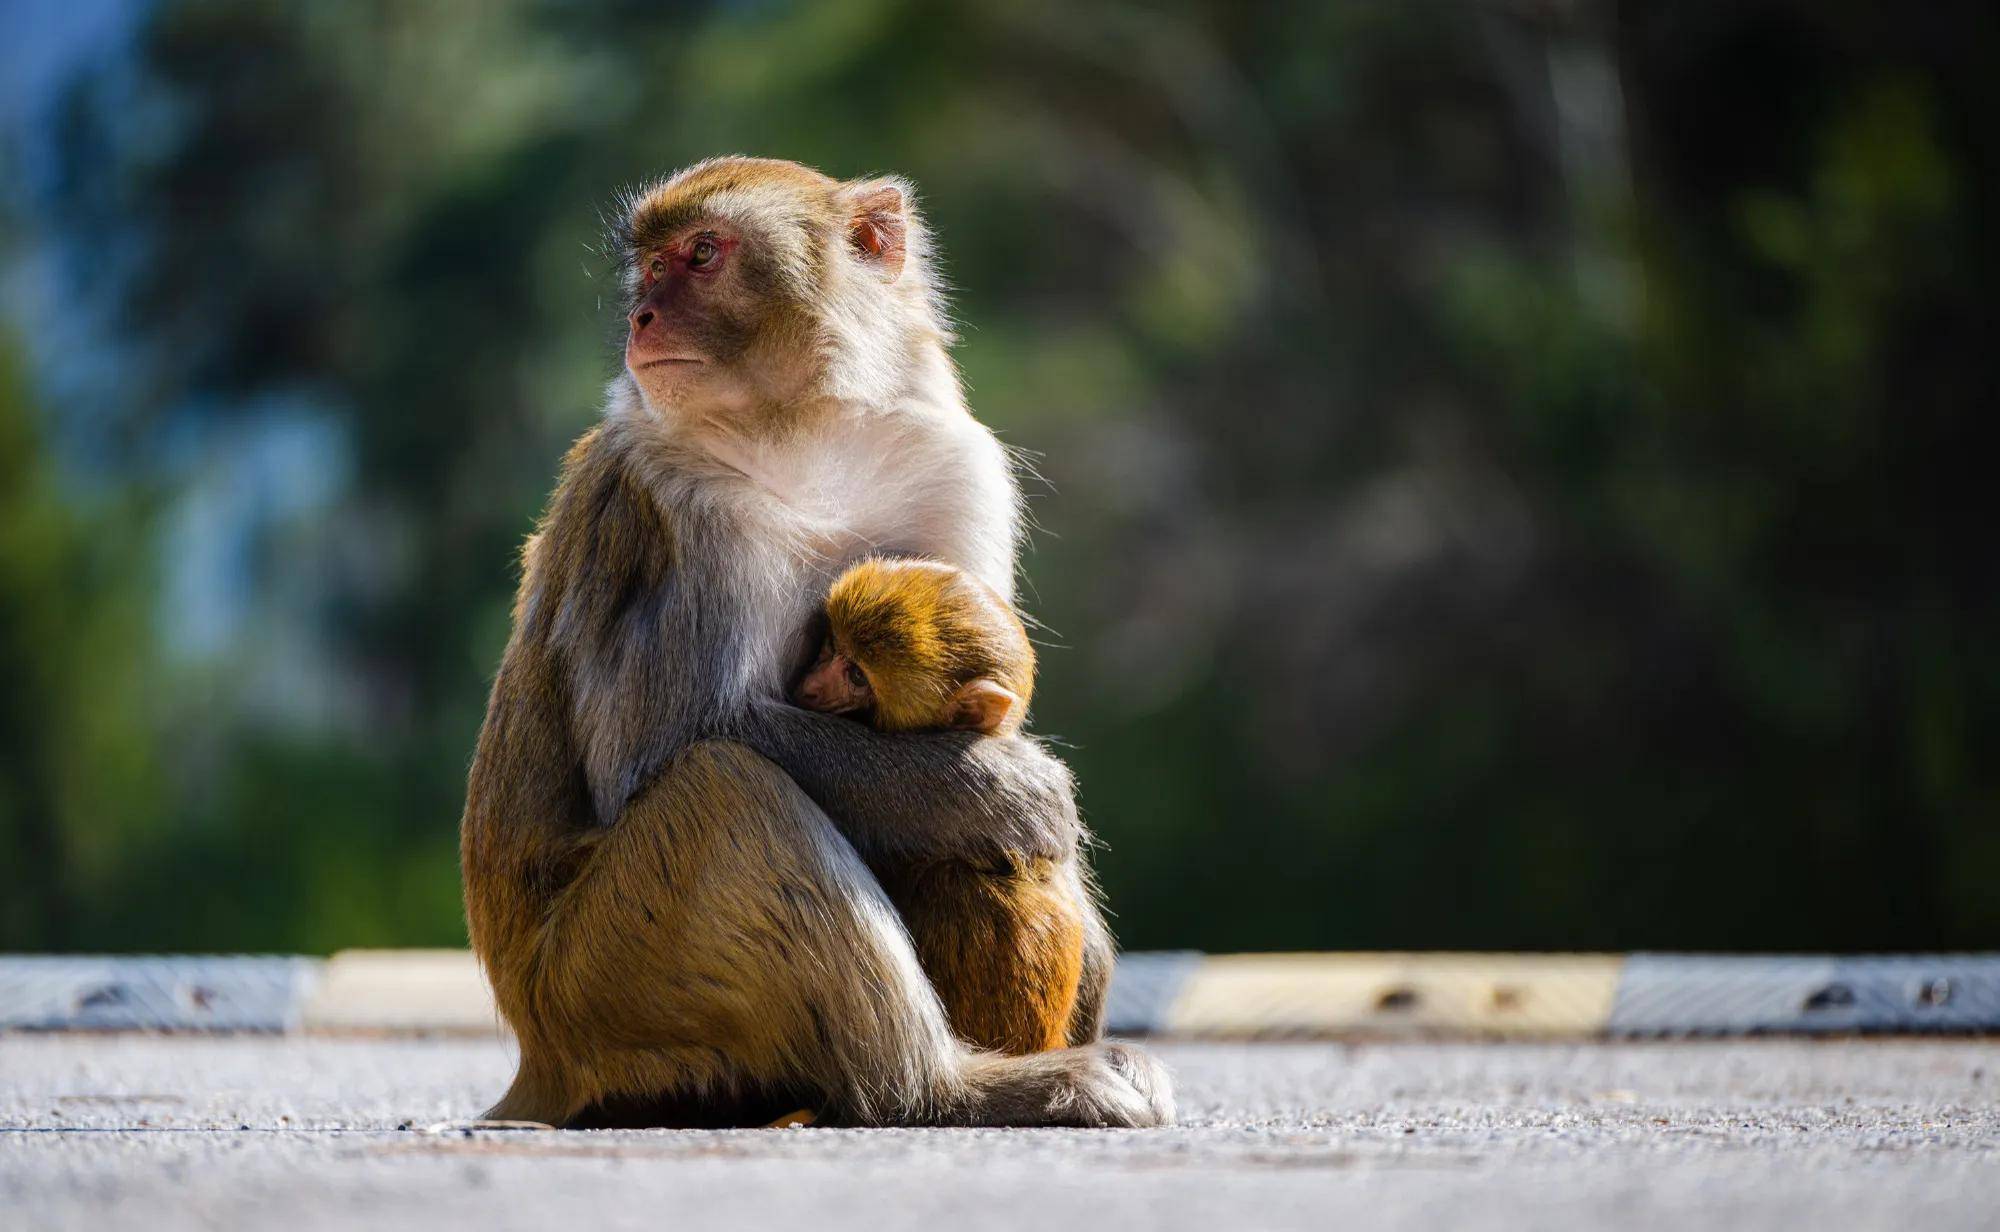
[927, 795]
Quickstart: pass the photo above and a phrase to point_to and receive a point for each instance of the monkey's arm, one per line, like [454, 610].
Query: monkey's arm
[923, 795]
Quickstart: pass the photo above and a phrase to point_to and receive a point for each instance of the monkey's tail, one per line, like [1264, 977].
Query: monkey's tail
[1101, 1085]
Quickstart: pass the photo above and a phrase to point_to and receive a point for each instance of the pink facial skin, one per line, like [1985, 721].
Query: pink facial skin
[834, 685]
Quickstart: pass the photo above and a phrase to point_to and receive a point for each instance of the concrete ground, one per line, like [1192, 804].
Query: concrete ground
[301, 1134]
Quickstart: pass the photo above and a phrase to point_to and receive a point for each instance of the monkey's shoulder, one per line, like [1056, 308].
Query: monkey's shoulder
[602, 539]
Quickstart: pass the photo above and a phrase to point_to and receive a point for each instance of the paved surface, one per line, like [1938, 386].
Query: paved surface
[130, 1131]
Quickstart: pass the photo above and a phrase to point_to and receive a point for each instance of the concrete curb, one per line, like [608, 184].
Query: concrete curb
[1181, 994]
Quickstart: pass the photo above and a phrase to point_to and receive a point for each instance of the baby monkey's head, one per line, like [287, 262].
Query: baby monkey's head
[914, 644]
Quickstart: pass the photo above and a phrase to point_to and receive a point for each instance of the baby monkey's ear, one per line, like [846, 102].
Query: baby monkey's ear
[983, 706]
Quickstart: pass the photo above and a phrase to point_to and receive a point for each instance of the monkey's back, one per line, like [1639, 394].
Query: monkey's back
[1002, 944]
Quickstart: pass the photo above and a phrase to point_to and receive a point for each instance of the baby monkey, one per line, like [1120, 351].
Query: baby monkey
[913, 645]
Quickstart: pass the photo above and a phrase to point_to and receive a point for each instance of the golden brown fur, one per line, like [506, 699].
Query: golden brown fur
[1002, 944]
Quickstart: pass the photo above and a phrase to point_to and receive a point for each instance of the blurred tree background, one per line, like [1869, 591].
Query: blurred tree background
[1514, 468]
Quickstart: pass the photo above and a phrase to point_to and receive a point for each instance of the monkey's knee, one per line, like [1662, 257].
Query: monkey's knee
[782, 948]
[712, 787]
[718, 756]
[722, 771]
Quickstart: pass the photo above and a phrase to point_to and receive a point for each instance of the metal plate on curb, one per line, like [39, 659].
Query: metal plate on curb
[1727, 994]
[88, 992]
[1143, 989]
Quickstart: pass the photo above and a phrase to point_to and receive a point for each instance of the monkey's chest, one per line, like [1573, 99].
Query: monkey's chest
[874, 490]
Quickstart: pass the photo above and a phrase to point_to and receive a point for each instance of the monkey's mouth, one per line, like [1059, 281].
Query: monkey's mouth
[656, 363]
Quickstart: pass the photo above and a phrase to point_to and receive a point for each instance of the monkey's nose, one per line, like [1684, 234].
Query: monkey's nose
[641, 319]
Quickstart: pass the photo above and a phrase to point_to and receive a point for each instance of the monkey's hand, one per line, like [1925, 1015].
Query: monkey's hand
[918, 796]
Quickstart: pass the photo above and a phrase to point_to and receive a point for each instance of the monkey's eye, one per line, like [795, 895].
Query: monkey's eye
[856, 677]
[656, 269]
[702, 253]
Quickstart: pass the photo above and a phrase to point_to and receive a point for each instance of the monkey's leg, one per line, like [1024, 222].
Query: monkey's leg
[724, 938]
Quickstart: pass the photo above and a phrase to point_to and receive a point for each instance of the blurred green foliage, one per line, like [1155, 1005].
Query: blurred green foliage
[1512, 472]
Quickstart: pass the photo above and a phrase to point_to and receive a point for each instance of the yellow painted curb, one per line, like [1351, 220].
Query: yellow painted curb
[1240, 995]
[441, 991]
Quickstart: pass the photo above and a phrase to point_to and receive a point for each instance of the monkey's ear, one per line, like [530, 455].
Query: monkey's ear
[983, 706]
[876, 227]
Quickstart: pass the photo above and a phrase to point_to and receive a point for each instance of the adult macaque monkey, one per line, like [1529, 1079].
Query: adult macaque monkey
[665, 865]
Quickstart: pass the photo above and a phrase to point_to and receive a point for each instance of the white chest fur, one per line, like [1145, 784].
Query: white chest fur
[921, 480]
[907, 481]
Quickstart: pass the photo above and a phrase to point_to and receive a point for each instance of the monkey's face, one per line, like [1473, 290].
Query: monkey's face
[760, 288]
[709, 330]
[835, 684]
